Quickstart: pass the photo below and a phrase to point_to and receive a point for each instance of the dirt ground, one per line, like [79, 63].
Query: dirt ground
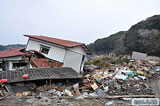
[155, 84]
[16, 101]
[45, 101]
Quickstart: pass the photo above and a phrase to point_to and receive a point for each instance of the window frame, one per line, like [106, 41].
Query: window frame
[44, 47]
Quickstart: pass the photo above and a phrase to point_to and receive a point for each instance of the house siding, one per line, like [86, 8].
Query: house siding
[33, 45]
[78, 49]
[73, 60]
[70, 57]
[57, 53]
[54, 53]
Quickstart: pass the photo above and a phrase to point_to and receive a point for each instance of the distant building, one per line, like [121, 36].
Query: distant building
[68, 53]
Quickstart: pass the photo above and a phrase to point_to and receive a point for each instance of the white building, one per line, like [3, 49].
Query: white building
[69, 53]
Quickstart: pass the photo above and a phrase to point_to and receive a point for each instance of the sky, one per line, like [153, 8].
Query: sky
[76, 20]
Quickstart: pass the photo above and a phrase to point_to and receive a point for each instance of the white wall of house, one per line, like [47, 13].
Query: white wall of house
[74, 57]
[70, 57]
[78, 49]
[74, 60]
[33, 45]
[55, 53]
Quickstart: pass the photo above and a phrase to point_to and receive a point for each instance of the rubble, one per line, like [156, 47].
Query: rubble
[114, 81]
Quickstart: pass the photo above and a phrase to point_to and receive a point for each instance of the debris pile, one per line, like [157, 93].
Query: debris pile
[3, 92]
[129, 88]
[124, 79]
[115, 80]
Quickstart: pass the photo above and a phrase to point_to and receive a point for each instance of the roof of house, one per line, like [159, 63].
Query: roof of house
[40, 74]
[11, 52]
[61, 42]
[65, 43]
[40, 63]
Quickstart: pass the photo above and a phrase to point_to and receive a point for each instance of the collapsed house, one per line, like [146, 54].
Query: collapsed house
[18, 58]
[64, 52]
[12, 59]
[113, 80]
[44, 61]
[60, 53]
[16, 82]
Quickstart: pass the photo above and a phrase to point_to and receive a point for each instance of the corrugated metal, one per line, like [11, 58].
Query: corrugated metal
[139, 56]
[40, 73]
[40, 63]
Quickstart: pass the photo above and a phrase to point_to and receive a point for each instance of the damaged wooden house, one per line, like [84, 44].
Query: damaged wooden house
[62, 52]
[18, 58]
[43, 61]
[12, 59]
[42, 51]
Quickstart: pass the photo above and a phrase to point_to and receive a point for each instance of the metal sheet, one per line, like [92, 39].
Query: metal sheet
[40, 73]
[139, 56]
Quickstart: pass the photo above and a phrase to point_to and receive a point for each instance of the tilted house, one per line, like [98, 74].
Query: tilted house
[64, 52]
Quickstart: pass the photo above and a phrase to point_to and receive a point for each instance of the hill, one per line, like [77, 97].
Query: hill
[141, 37]
[5, 47]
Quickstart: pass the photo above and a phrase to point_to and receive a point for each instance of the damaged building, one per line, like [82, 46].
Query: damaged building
[42, 62]
[50, 67]
[18, 58]
[42, 51]
[67, 53]
[12, 59]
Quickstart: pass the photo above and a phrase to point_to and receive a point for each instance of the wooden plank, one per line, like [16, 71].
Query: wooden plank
[109, 97]
[129, 96]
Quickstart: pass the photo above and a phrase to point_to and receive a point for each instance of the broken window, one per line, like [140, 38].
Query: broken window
[18, 65]
[44, 49]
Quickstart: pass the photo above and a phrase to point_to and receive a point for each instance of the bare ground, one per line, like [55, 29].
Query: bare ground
[155, 84]
[32, 101]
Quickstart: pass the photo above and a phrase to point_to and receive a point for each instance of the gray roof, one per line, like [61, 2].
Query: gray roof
[39, 74]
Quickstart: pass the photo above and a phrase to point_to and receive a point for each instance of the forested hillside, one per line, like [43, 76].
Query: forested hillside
[5, 47]
[142, 37]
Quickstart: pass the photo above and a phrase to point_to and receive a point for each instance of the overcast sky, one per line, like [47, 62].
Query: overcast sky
[77, 20]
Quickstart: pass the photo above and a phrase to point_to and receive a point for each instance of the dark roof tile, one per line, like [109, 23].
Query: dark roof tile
[40, 73]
